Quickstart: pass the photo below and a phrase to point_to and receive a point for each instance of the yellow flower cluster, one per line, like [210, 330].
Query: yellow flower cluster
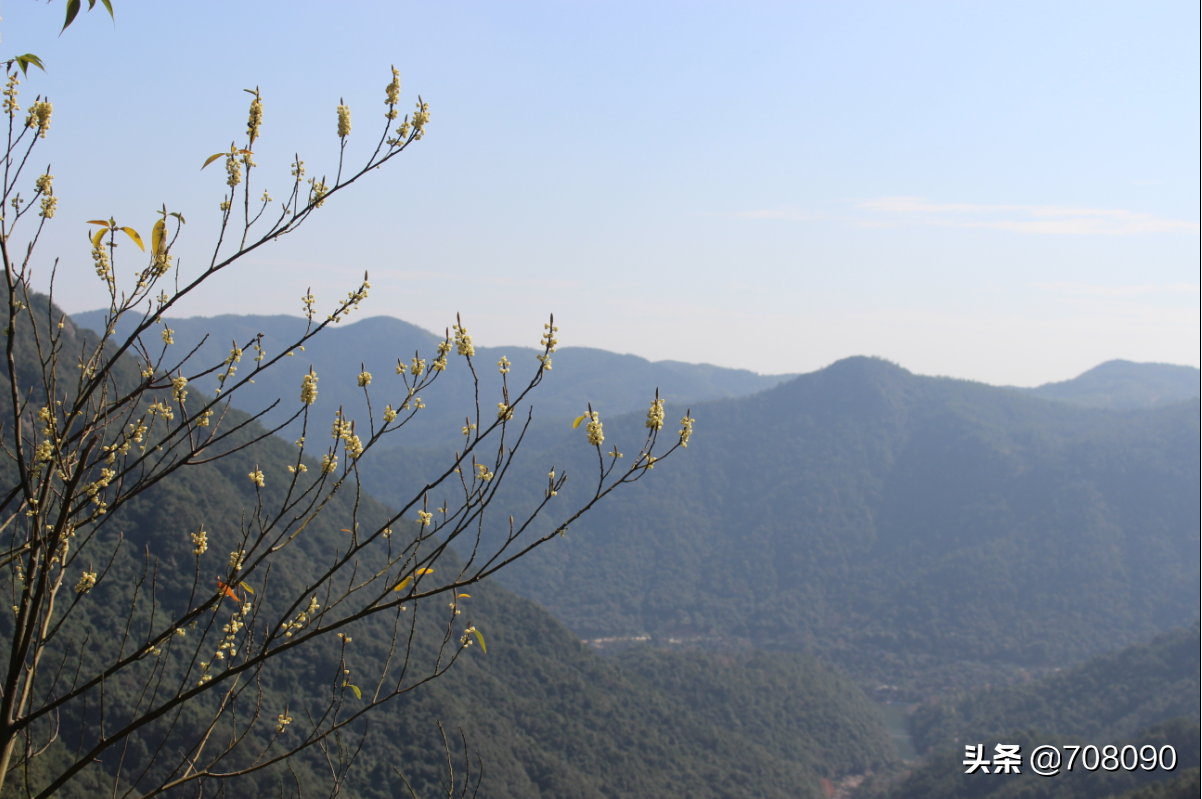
[39, 117]
[100, 257]
[10, 95]
[309, 388]
[364, 379]
[503, 364]
[233, 167]
[504, 412]
[483, 473]
[256, 117]
[424, 518]
[178, 390]
[329, 463]
[655, 415]
[463, 342]
[86, 582]
[595, 436]
[282, 721]
[440, 363]
[389, 414]
[317, 192]
[344, 120]
[686, 430]
[200, 542]
[392, 94]
[45, 186]
[256, 477]
[302, 619]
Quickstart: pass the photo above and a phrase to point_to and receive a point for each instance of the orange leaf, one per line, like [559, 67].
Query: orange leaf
[225, 589]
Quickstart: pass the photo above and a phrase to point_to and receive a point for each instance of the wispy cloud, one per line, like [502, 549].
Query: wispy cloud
[1038, 219]
[1055, 220]
[1119, 291]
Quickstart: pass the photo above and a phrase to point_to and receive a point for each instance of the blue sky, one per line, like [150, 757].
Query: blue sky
[1006, 192]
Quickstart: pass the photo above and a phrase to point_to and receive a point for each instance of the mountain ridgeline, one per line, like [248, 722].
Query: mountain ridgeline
[617, 383]
[939, 540]
[1124, 386]
[907, 526]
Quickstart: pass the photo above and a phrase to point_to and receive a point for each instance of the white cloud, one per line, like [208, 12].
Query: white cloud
[1039, 219]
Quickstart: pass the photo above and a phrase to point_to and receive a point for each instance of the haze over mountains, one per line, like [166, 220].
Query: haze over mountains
[930, 536]
[579, 375]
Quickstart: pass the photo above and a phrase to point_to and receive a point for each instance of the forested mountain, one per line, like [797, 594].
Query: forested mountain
[545, 715]
[909, 526]
[1124, 385]
[1110, 696]
[616, 383]
[943, 776]
[1146, 694]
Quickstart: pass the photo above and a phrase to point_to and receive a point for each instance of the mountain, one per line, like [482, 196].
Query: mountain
[613, 383]
[1124, 385]
[542, 712]
[1111, 696]
[925, 532]
[944, 775]
[1146, 694]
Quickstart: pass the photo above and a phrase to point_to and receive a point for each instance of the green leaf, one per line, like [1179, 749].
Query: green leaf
[133, 234]
[480, 637]
[72, 12]
[73, 7]
[213, 158]
[358, 693]
[247, 588]
[178, 216]
[29, 60]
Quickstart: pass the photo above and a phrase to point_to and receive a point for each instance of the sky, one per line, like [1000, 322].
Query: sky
[999, 191]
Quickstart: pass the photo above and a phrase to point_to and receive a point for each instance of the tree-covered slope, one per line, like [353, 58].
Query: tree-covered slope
[944, 775]
[899, 522]
[544, 714]
[1109, 696]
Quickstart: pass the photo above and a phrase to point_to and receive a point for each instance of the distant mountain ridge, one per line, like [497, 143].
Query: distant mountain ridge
[1125, 385]
[614, 383]
[903, 525]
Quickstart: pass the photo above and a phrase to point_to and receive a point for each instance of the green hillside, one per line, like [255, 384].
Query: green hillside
[925, 532]
[541, 711]
[1107, 697]
[1144, 695]
[1124, 385]
[943, 776]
